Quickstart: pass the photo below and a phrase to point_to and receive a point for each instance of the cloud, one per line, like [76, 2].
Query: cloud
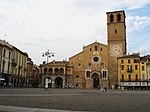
[38, 25]
[137, 22]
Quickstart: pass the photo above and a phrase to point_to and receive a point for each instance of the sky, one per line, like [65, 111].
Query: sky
[65, 26]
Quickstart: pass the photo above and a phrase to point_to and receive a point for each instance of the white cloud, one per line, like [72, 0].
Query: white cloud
[137, 22]
[63, 26]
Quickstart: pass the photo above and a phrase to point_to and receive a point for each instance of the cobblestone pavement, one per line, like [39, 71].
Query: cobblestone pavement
[59, 100]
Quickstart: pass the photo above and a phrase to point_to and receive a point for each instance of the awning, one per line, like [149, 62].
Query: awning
[2, 79]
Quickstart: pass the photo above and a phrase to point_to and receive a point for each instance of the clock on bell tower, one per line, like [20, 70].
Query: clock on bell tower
[116, 36]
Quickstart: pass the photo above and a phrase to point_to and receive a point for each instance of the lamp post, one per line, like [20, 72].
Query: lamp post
[48, 55]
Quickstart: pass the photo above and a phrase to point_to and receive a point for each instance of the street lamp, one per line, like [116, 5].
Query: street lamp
[48, 54]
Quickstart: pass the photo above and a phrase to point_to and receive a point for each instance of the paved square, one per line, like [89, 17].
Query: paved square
[75, 100]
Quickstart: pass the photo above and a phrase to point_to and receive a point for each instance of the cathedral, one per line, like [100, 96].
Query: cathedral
[96, 65]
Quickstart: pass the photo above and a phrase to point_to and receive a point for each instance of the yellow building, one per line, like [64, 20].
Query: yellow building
[13, 64]
[133, 72]
[19, 64]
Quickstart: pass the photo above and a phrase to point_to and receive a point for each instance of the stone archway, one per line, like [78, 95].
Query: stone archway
[95, 80]
[49, 82]
[59, 82]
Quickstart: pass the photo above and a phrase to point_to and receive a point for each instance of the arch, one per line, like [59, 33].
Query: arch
[118, 17]
[50, 71]
[61, 71]
[96, 80]
[58, 82]
[45, 70]
[56, 71]
[49, 82]
[111, 18]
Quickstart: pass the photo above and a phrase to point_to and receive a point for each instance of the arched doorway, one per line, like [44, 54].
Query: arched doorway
[96, 81]
[48, 80]
[58, 82]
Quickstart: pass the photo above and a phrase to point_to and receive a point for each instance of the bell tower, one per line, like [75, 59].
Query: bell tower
[116, 36]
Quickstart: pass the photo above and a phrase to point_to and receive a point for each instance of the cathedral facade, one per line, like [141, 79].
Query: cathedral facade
[96, 65]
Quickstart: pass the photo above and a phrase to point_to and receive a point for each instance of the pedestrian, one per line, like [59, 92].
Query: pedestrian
[105, 89]
[102, 88]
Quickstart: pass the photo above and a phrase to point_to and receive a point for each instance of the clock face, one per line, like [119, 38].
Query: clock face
[116, 49]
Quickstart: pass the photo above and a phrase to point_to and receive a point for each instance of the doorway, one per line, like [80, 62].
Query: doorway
[96, 82]
[59, 82]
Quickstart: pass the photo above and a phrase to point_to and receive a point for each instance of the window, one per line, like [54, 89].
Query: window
[122, 67]
[129, 76]
[101, 49]
[90, 49]
[8, 67]
[111, 18]
[115, 31]
[77, 76]
[122, 77]
[118, 17]
[0, 50]
[9, 55]
[122, 61]
[129, 67]
[95, 59]
[129, 61]
[96, 48]
[143, 77]
[136, 67]
[142, 68]
[50, 70]
[56, 71]
[4, 52]
[61, 71]
[87, 74]
[104, 75]
[136, 77]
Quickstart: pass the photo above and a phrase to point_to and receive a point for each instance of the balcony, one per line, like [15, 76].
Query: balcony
[129, 70]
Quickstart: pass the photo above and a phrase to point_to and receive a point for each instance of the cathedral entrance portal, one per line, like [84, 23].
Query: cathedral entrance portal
[58, 82]
[96, 82]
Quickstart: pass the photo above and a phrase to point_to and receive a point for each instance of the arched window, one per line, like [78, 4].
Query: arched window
[45, 70]
[61, 71]
[111, 18]
[96, 48]
[50, 71]
[118, 17]
[56, 71]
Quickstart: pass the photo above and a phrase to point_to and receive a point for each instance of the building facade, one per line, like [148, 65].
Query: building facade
[96, 65]
[90, 66]
[116, 32]
[58, 73]
[134, 72]
[6, 60]
[13, 65]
